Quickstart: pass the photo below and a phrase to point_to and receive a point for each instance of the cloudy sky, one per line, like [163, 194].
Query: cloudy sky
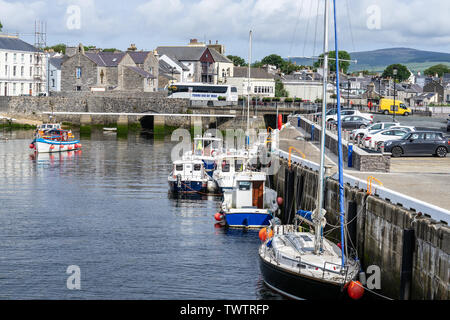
[285, 27]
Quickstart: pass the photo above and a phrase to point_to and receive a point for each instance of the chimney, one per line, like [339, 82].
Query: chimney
[132, 47]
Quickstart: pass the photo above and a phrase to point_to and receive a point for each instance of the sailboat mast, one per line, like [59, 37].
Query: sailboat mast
[339, 129]
[319, 206]
[248, 88]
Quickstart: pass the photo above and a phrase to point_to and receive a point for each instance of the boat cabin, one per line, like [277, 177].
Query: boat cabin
[188, 169]
[249, 192]
[207, 146]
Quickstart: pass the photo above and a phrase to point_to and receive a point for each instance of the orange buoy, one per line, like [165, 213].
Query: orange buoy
[263, 234]
[31, 146]
[355, 290]
[52, 147]
[270, 234]
[280, 201]
[218, 216]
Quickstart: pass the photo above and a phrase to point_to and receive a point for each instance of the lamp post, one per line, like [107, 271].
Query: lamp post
[394, 72]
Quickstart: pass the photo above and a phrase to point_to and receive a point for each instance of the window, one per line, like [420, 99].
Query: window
[22, 85]
[376, 127]
[31, 71]
[31, 58]
[14, 70]
[244, 185]
[6, 56]
[78, 88]
[238, 165]
[14, 88]
[430, 136]
[22, 71]
[53, 83]
[22, 58]
[197, 167]
[179, 167]
[78, 72]
[233, 89]
[6, 70]
[225, 166]
[15, 58]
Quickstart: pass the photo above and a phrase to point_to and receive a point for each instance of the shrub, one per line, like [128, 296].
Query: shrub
[288, 100]
[267, 99]
[298, 100]
[276, 99]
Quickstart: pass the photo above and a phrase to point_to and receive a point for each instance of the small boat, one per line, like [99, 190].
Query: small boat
[249, 204]
[188, 176]
[51, 138]
[110, 129]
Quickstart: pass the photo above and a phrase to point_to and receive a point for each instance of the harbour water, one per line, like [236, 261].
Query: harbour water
[107, 210]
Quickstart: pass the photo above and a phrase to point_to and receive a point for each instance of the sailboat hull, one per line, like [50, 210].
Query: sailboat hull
[297, 286]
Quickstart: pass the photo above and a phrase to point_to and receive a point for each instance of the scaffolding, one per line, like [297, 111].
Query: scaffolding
[40, 42]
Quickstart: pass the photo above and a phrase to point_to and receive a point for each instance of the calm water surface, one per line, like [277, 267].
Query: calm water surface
[107, 210]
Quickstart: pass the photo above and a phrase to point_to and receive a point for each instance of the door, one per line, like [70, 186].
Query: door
[430, 142]
[415, 144]
[258, 194]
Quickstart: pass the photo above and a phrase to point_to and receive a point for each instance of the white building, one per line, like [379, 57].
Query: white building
[262, 83]
[54, 72]
[23, 68]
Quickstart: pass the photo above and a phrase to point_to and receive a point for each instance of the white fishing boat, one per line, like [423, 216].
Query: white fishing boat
[228, 165]
[188, 176]
[306, 265]
[249, 203]
[112, 129]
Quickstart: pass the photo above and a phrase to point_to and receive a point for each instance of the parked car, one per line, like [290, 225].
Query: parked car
[419, 142]
[348, 112]
[374, 127]
[353, 122]
[377, 138]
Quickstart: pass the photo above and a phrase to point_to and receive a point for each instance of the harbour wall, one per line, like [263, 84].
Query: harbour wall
[410, 248]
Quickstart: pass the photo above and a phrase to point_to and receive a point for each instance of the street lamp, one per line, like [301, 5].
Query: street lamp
[394, 72]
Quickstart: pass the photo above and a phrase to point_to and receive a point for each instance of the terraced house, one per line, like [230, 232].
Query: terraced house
[95, 70]
[22, 68]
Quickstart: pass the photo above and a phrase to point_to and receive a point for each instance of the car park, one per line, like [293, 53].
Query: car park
[419, 143]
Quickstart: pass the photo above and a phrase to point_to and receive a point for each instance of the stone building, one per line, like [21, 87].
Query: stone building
[435, 87]
[104, 71]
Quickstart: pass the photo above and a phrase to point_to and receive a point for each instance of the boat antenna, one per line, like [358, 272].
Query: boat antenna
[339, 130]
[319, 206]
[248, 89]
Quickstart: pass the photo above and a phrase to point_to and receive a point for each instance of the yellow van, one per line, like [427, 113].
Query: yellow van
[386, 106]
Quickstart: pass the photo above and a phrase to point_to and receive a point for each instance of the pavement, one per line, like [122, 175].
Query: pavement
[425, 178]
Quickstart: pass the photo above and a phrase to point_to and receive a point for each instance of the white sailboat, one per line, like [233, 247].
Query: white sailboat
[305, 265]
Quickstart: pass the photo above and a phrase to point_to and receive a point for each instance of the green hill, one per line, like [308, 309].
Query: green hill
[378, 60]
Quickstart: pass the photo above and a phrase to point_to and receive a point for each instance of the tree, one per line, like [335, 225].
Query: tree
[274, 60]
[279, 89]
[343, 65]
[440, 69]
[1, 26]
[57, 48]
[237, 61]
[402, 72]
[110, 50]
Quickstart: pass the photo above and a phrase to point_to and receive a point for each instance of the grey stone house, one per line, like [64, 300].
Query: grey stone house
[105, 71]
[435, 87]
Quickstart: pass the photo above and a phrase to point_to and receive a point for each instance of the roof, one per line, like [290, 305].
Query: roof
[56, 62]
[106, 59]
[255, 73]
[166, 68]
[187, 53]
[177, 62]
[15, 44]
[141, 72]
[138, 56]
